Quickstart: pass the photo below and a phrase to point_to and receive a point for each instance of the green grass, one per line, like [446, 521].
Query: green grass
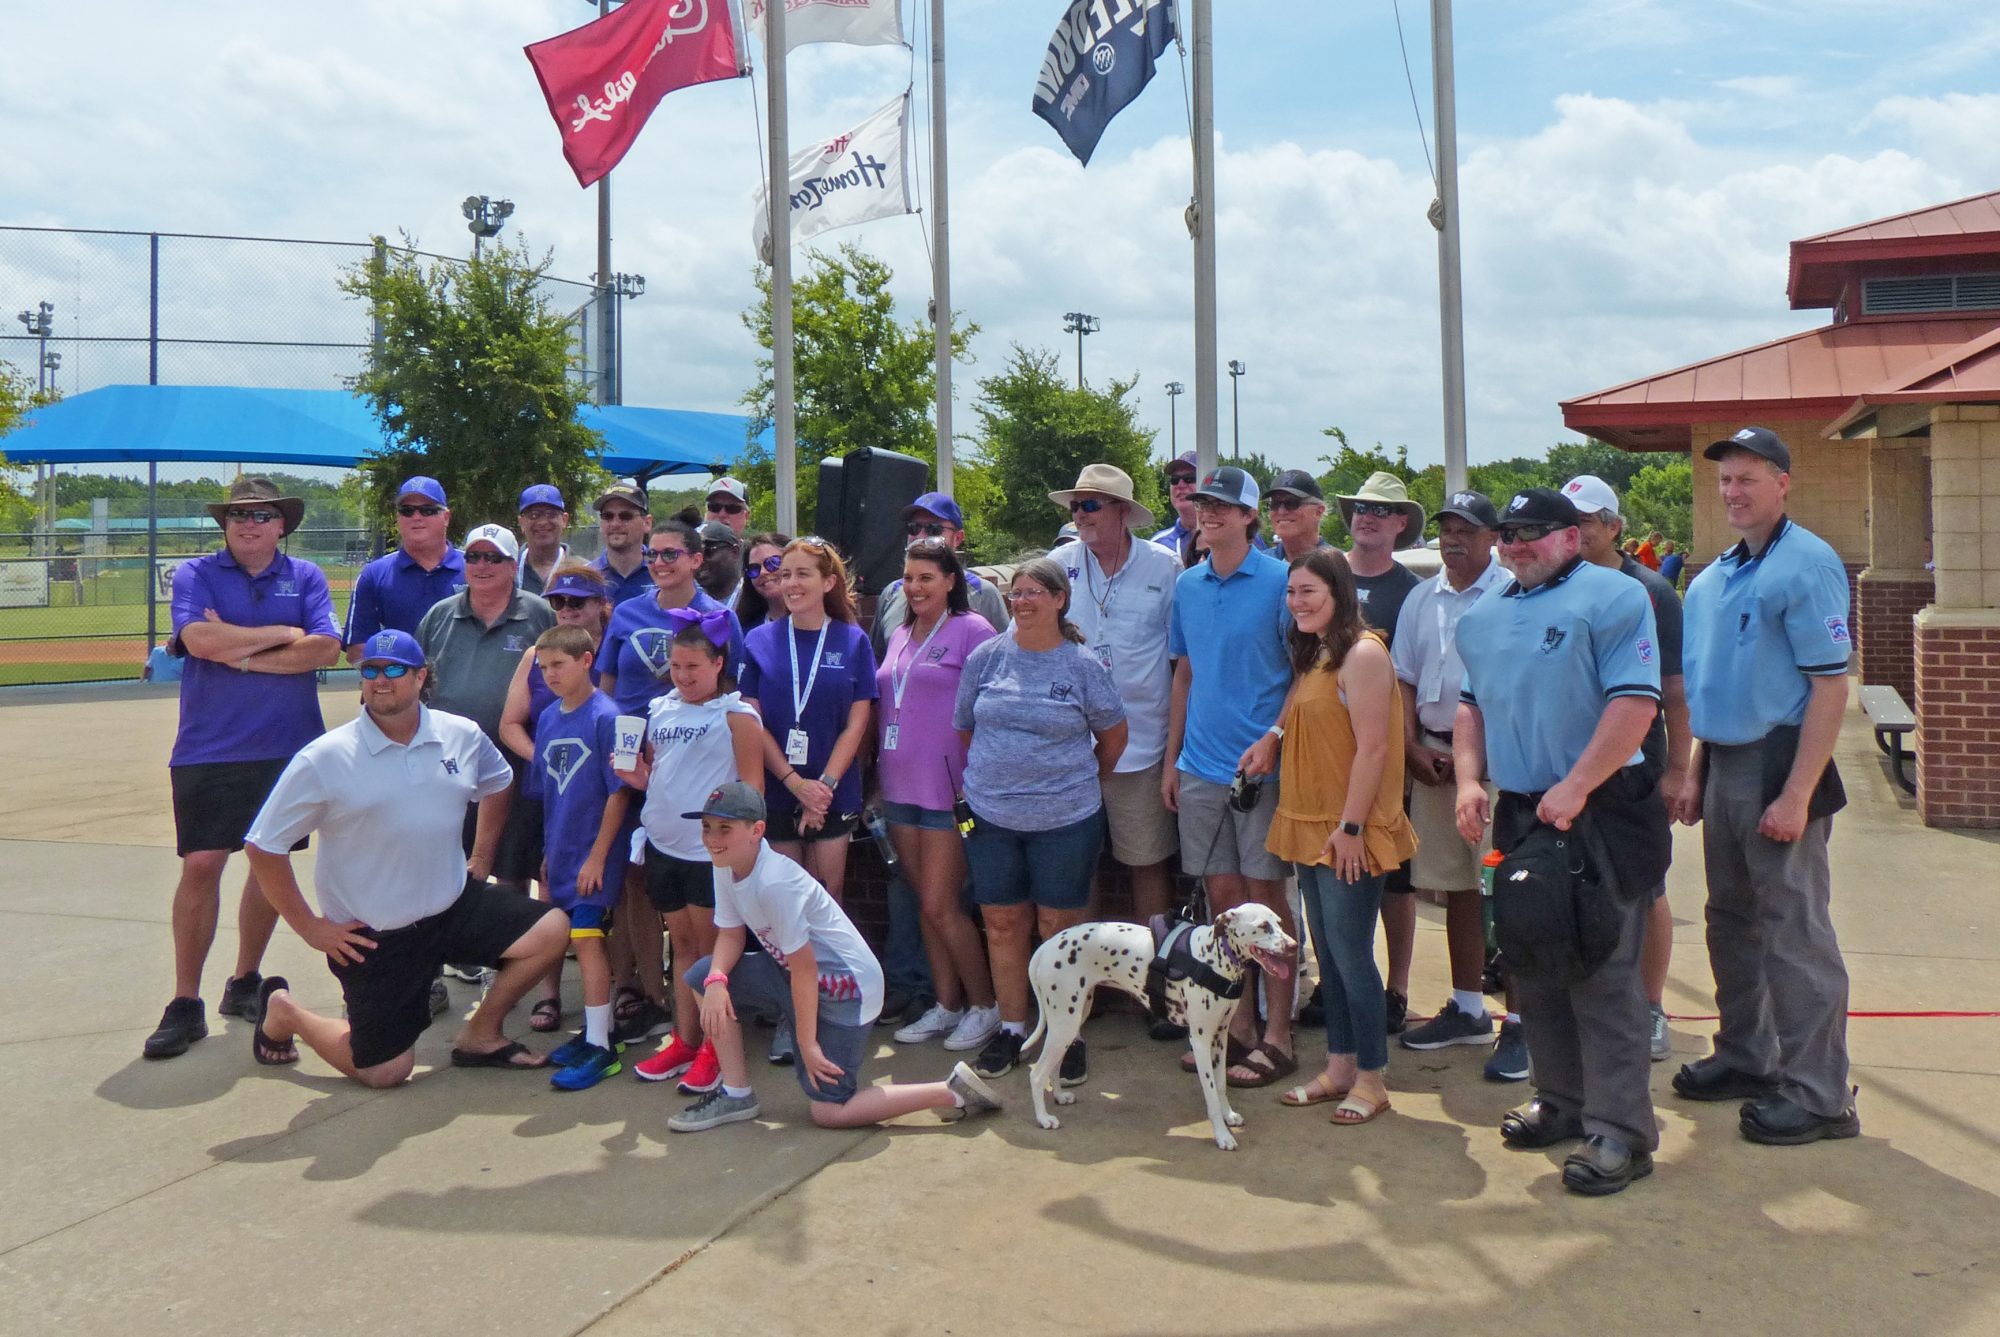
[52, 671]
[115, 605]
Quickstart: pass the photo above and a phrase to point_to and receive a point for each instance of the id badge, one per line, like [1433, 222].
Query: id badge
[795, 747]
[889, 736]
[1103, 653]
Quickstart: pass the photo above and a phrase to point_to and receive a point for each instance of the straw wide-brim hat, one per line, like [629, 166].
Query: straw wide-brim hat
[253, 490]
[1106, 480]
[1386, 487]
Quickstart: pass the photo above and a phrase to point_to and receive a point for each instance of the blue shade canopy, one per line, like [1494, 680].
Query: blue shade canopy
[135, 424]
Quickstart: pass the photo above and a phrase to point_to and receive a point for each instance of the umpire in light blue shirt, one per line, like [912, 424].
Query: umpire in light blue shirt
[1562, 681]
[1766, 657]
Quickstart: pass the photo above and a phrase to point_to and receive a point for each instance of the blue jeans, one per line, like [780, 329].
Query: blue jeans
[905, 965]
[1341, 916]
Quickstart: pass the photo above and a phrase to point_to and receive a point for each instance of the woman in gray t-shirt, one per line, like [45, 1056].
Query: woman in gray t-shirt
[1043, 721]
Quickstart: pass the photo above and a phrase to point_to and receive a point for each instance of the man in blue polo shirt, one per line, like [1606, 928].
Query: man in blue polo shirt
[1767, 652]
[254, 625]
[397, 589]
[1226, 634]
[1562, 681]
[624, 520]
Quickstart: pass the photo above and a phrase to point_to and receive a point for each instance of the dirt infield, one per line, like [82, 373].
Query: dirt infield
[110, 650]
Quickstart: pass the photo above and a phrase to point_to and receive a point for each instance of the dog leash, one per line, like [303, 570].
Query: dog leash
[1863, 1016]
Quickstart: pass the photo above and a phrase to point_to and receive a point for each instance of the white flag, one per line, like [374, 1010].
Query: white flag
[846, 180]
[855, 22]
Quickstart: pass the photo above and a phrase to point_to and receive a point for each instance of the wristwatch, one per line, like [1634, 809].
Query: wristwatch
[1350, 828]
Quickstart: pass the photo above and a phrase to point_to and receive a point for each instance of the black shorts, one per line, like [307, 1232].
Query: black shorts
[388, 992]
[785, 826]
[520, 856]
[672, 885]
[215, 802]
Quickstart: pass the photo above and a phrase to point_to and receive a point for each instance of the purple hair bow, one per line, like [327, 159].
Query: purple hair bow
[714, 625]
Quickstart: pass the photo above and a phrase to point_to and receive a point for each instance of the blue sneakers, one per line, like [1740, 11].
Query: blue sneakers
[586, 1069]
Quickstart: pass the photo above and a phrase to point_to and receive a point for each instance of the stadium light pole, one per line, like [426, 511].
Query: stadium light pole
[484, 217]
[1236, 370]
[623, 288]
[1174, 392]
[1080, 324]
[41, 323]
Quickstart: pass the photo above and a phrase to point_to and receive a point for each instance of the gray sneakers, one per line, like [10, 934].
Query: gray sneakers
[1450, 1027]
[1663, 1042]
[713, 1110]
[977, 1095]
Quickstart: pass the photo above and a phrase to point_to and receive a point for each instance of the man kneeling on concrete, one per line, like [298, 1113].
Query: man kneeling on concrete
[387, 792]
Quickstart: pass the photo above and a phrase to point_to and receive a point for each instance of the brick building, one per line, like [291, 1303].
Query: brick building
[1892, 412]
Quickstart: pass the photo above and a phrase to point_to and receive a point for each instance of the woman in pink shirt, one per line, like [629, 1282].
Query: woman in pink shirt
[920, 762]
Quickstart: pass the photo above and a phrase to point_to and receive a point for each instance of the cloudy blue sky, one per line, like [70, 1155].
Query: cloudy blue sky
[1631, 174]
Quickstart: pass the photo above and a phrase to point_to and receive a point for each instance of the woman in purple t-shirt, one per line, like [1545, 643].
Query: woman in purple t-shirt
[812, 675]
[920, 760]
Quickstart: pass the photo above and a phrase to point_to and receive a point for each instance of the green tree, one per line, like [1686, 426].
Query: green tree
[1037, 431]
[1347, 469]
[18, 398]
[472, 382]
[1661, 496]
[860, 376]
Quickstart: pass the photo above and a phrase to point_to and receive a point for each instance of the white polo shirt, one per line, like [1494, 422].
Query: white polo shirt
[1124, 624]
[1425, 649]
[389, 815]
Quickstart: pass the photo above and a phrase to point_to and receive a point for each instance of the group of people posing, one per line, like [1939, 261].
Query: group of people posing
[1319, 731]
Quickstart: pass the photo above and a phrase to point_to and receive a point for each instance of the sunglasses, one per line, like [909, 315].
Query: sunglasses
[390, 671]
[245, 516]
[769, 566]
[620, 517]
[1382, 510]
[1177, 480]
[1087, 505]
[1526, 533]
[717, 545]
[668, 555]
[420, 510]
[1292, 504]
[489, 558]
[926, 528]
[726, 508]
[562, 601]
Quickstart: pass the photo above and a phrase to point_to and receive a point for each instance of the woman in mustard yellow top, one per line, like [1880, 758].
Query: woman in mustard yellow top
[1340, 820]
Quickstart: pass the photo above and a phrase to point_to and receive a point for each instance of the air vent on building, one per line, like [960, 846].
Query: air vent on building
[1944, 292]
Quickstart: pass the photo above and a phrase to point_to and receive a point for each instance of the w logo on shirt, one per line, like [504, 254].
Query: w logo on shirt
[563, 759]
[654, 646]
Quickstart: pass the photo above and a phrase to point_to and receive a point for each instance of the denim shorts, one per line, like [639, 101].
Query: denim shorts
[1050, 868]
[843, 1037]
[924, 819]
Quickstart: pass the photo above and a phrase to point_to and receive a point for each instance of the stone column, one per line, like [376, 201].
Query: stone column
[1895, 585]
[1958, 637]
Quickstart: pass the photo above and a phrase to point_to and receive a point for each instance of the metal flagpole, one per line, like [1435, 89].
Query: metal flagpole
[1201, 224]
[778, 195]
[607, 333]
[1451, 296]
[941, 250]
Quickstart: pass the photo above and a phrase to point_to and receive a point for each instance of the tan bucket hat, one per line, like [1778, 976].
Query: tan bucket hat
[1107, 480]
[1386, 487]
[250, 490]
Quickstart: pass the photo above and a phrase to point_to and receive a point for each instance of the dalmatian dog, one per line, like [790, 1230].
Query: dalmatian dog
[1067, 968]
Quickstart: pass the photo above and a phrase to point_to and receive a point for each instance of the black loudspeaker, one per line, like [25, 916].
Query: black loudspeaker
[862, 497]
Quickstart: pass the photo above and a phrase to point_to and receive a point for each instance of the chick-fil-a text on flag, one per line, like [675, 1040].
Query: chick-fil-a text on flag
[849, 179]
[603, 80]
[855, 22]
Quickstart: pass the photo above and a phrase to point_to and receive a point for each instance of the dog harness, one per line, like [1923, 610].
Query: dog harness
[1174, 962]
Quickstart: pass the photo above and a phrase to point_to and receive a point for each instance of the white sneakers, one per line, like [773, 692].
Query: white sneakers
[935, 1021]
[979, 1025]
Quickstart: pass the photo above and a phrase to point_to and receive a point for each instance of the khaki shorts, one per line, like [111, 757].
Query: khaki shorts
[1143, 832]
[1218, 840]
[1443, 861]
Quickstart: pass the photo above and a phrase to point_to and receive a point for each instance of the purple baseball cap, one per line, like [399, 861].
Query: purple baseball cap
[939, 504]
[576, 586]
[390, 646]
[542, 494]
[421, 486]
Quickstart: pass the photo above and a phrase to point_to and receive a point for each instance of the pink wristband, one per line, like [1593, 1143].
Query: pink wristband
[716, 977]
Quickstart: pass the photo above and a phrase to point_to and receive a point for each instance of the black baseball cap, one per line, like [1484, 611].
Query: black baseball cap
[1297, 483]
[1474, 508]
[629, 493]
[1539, 506]
[735, 801]
[1758, 441]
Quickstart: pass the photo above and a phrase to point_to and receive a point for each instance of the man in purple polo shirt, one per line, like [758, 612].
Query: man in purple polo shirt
[254, 625]
[398, 588]
[624, 519]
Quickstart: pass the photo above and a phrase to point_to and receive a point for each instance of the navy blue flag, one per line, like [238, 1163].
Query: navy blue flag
[1099, 60]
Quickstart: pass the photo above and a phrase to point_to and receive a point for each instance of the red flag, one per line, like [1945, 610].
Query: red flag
[603, 80]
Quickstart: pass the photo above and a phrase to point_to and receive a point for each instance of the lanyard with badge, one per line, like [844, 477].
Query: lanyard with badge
[1102, 650]
[795, 741]
[900, 682]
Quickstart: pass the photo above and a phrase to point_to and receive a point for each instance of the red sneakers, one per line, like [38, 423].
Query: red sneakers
[705, 1075]
[674, 1058]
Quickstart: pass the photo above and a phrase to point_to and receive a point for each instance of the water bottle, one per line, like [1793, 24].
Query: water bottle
[1489, 868]
[879, 829]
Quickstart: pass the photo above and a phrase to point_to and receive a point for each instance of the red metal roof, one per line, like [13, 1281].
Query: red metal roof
[1935, 239]
[1817, 374]
[1969, 373]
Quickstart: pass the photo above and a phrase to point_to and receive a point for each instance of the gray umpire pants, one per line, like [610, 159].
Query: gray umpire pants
[1590, 1042]
[1780, 983]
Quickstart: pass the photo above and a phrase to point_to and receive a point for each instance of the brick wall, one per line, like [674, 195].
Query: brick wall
[1958, 708]
[1884, 630]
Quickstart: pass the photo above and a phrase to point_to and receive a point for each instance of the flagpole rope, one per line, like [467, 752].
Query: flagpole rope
[1396, 7]
[757, 119]
[1187, 98]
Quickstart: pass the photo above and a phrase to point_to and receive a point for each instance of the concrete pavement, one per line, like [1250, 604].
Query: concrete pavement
[205, 1194]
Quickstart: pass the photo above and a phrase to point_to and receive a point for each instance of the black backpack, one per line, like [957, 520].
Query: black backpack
[1553, 917]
